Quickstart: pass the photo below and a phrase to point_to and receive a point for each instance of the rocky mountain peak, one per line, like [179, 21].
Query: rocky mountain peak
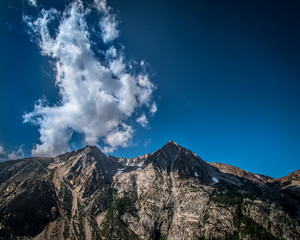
[85, 170]
[93, 149]
[169, 194]
[88, 149]
[172, 146]
[165, 157]
[174, 158]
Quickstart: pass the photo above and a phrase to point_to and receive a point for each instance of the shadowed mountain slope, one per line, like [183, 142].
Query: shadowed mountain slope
[169, 194]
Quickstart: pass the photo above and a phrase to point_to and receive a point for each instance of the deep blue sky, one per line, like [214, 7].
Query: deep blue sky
[227, 76]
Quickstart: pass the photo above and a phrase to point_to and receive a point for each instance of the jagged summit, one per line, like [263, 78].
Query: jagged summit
[95, 150]
[175, 158]
[88, 149]
[91, 148]
[169, 146]
[173, 143]
[169, 194]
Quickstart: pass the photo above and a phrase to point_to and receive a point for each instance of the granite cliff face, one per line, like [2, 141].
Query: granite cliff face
[170, 194]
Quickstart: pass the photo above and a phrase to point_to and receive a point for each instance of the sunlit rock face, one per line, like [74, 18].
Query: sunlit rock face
[169, 194]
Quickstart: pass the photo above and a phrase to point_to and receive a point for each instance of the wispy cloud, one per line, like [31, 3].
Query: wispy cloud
[99, 93]
[108, 22]
[16, 154]
[147, 142]
[2, 150]
[13, 155]
[153, 108]
[143, 120]
[32, 2]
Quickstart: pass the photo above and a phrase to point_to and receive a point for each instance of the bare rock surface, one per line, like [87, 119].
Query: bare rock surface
[169, 194]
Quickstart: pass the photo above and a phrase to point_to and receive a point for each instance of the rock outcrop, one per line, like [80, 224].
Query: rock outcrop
[170, 194]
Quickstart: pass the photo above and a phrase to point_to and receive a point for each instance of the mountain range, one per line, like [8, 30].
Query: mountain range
[169, 194]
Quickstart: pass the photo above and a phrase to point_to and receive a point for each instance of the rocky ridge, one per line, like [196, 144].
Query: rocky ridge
[169, 194]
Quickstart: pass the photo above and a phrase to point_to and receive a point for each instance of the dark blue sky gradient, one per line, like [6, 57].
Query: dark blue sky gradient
[227, 76]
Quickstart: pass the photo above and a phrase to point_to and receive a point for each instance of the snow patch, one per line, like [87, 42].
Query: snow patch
[120, 170]
[215, 179]
[196, 174]
[141, 164]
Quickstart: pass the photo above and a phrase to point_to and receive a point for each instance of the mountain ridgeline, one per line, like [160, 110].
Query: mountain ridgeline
[169, 194]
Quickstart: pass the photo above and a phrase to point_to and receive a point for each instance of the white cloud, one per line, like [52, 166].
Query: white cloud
[16, 154]
[119, 137]
[13, 155]
[2, 150]
[147, 142]
[143, 120]
[101, 5]
[108, 22]
[153, 108]
[108, 25]
[32, 2]
[98, 96]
